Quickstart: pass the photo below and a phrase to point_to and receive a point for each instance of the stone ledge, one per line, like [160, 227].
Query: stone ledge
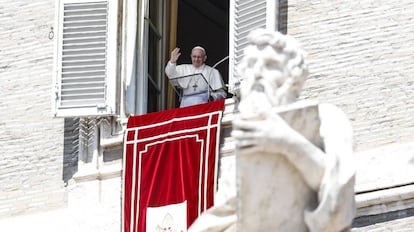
[385, 167]
[385, 179]
[385, 200]
[399, 220]
[108, 172]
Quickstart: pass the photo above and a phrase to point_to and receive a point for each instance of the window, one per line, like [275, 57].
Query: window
[85, 78]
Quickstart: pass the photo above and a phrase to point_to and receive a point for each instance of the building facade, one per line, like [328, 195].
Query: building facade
[62, 132]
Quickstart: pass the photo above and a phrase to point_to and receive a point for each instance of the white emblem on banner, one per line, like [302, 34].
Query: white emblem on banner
[169, 218]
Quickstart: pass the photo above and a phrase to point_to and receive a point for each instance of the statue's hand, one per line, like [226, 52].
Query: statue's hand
[270, 134]
[267, 133]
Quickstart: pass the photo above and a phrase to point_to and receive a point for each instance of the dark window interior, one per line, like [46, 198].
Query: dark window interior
[204, 23]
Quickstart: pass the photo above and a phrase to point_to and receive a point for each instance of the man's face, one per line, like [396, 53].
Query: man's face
[198, 58]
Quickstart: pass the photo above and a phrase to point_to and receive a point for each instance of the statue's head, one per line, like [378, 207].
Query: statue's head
[273, 70]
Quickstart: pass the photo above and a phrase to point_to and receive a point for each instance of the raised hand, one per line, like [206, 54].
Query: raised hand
[175, 54]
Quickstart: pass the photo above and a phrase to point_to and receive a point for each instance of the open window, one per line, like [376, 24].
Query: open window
[199, 23]
[222, 27]
[85, 78]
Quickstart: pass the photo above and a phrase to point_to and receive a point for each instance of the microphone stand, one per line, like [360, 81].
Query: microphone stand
[220, 61]
[209, 74]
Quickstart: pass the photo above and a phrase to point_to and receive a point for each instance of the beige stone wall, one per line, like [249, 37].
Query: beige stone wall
[361, 57]
[31, 141]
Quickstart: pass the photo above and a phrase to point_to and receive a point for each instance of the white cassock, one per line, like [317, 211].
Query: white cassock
[195, 87]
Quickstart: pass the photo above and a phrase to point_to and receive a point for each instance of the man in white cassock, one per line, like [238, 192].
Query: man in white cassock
[195, 88]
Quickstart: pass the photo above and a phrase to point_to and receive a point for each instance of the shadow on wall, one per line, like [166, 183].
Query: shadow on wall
[70, 148]
[283, 16]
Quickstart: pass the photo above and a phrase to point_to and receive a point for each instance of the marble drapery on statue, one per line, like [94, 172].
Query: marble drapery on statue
[294, 159]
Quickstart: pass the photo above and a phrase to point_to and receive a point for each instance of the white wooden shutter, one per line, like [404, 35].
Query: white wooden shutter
[245, 16]
[85, 59]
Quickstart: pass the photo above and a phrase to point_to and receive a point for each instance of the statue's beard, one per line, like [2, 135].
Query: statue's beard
[260, 96]
[256, 100]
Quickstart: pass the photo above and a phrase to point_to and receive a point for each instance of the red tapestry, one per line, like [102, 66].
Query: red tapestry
[170, 167]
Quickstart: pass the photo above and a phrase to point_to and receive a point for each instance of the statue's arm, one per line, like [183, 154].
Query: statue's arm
[271, 134]
[336, 198]
[329, 172]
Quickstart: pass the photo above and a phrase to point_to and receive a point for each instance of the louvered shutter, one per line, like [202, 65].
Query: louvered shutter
[85, 59]
[245, 16]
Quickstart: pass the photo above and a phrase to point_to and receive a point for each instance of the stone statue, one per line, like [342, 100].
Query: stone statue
[294, 159]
